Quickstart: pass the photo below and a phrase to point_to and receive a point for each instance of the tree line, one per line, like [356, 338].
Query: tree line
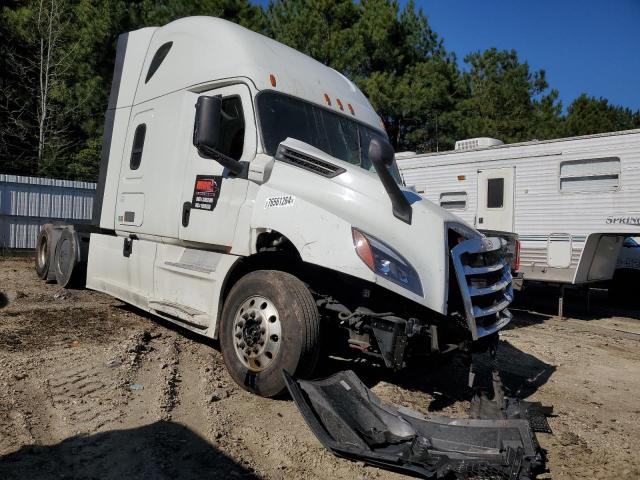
[57, 56]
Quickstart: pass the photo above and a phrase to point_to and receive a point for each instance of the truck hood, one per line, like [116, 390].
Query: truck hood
[367, 183]
[356, 198]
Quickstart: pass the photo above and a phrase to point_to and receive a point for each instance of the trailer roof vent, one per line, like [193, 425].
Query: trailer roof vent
[474, 143]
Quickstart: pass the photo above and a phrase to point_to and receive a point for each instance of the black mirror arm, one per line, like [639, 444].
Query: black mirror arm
[381, 156]
[400, 205]
[229, 163]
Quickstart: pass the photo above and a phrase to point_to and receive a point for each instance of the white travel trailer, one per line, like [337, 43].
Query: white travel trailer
[248, 193]
[572, 201]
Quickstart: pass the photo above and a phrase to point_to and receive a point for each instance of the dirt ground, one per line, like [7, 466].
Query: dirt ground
[92, 388]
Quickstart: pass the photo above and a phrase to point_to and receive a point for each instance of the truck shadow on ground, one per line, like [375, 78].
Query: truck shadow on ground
[444, 378]
[4, 301]
[538, 303]
[162, 450]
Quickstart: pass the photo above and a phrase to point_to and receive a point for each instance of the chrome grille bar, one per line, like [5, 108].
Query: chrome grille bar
[492, 299]
[480, 270]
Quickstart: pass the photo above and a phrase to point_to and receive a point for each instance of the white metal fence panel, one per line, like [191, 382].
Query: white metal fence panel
[27, 203]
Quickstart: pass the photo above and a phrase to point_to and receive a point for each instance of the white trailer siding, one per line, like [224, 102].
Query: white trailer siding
[26, 203]
[601, 196]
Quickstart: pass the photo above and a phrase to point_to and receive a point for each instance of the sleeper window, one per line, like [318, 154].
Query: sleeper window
[495, 192]
[232, 128]
[453, 200]
[157, 60]
[137, 147]
[595, 174]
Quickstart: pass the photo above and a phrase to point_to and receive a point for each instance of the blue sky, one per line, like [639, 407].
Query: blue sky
[590, 46]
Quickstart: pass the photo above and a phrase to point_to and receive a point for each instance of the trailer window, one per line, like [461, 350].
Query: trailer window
[589, 175]
[137, 147]
[453, 200]
[495, 192]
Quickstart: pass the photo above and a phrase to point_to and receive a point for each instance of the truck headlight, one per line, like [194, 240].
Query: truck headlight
[386, 262]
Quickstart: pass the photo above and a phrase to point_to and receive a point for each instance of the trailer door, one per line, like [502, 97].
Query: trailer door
[495, 199]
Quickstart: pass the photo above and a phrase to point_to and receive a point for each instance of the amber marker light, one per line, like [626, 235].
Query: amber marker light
[339, 104]
[272, 79]
[350, 107]
[461, 177]
[327, 100]
[363, 249]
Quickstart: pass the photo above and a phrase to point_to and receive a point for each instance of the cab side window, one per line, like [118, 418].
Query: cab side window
[138, 146]
[232, 128]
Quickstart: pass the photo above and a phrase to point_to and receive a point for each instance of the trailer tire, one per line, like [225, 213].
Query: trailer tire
[261, 304]
[67, 259]
[44, 251]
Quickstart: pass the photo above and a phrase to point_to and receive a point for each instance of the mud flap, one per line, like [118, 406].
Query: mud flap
[352, 422]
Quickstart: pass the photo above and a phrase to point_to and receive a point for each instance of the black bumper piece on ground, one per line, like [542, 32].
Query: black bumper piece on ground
[352, 422]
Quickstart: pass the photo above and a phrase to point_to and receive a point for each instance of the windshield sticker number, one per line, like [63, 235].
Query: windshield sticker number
[284, 201]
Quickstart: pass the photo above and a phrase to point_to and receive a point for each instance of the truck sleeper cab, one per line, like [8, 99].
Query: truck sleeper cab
[248, 193]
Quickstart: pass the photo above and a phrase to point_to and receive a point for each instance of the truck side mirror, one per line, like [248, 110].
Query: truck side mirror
[381, 155]
[206, 132]
[207, 128]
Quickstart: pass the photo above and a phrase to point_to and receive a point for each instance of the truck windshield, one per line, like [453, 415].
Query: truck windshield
[283, 116]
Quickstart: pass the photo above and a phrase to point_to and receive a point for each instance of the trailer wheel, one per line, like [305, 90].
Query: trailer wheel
[67, 258]
[270, 322]
[44, 250]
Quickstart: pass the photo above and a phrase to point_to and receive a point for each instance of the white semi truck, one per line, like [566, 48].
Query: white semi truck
[248, 193]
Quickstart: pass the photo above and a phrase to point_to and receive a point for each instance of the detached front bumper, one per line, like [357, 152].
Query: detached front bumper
[352, 422]
[485, 282]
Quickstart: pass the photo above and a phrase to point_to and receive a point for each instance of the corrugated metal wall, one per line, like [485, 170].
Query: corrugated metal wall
[26, 203]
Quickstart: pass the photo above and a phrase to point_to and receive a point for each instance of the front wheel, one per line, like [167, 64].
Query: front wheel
[270, 322]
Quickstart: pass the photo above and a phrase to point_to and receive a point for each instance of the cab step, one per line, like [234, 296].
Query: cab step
[181, 313]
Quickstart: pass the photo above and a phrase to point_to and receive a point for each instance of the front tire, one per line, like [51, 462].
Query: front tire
[270, 322]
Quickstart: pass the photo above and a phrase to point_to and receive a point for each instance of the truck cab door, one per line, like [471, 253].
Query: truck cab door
[211, 195]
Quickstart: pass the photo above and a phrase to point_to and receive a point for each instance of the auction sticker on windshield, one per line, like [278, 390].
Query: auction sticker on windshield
[282, 201]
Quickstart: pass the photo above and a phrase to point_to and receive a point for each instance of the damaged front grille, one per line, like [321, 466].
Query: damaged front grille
[484, 278]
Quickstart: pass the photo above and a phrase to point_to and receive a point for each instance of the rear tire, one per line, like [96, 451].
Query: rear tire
[270, 322]
[44, 251]
[67, 259]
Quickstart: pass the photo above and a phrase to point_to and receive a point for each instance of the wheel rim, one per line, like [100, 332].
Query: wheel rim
[43, 252]
[257, 333]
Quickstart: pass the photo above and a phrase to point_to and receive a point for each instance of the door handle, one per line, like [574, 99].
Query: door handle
[127, 246]
[186, 213]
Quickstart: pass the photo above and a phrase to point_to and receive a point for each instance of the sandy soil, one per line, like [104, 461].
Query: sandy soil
[92, 388]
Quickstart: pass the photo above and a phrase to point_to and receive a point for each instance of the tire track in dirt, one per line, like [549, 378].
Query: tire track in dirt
[170, 378]
[81, 396]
